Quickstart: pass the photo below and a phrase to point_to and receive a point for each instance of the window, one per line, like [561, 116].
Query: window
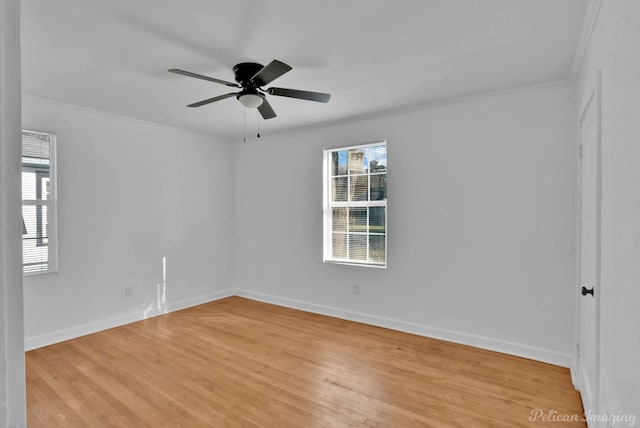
[355, 205]
[38, 203]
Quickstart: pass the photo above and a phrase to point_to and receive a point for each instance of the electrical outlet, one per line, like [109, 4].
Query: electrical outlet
[128, 291]
[356, 289]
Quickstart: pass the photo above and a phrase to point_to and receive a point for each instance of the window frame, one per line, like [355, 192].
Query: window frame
[328, 206]
[51, 203]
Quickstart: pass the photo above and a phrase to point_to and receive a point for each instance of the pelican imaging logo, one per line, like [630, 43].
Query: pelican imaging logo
[613, 419]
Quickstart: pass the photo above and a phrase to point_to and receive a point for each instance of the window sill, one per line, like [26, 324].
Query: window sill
[39, 273]
[354, 263]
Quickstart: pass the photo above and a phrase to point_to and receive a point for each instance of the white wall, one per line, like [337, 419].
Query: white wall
[129, 194]
[481, 222]
[12, 385]
[615, 49]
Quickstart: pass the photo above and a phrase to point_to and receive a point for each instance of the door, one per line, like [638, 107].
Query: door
[589, 285]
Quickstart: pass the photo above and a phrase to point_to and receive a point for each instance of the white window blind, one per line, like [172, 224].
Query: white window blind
[38, 203]
[355, 205]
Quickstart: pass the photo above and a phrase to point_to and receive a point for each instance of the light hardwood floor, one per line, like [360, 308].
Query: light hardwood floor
[237, 362]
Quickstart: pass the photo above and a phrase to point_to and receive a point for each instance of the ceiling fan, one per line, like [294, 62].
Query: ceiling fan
[251, 77]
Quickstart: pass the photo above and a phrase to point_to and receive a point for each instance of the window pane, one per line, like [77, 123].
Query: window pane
[45, 186]
[359, 188]
[377, 220]
[339, 245]
[29, 220]
[377, 251]
[36, 147]
[35, 238]
[357, 220]
[339, 220]
[28, 185]
[357, 161]
[35, 223]
[339, 163]
[339, 189]
[42, 223]
[357, 247]
[35, 181]
[379, 187]
[377, 159]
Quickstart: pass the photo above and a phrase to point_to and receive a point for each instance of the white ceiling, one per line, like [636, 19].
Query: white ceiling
[371, 55]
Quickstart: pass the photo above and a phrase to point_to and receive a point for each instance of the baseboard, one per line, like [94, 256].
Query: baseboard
[512, 348]
[574, 376]
[586, 393]
[96, 326]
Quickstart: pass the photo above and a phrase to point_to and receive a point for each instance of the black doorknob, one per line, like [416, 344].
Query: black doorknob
[586, 291]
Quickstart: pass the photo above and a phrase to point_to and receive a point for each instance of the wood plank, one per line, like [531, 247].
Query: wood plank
[237, 362]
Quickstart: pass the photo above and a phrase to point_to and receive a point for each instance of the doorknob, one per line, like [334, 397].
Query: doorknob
[586, 291]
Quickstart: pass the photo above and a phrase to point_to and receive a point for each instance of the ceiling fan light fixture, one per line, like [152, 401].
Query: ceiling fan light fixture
[250, 100]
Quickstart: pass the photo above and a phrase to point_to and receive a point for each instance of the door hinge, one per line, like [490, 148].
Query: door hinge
[580, 151]
[577, 349]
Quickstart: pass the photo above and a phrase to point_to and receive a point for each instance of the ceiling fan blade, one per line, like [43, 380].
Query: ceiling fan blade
[303, 95]
[212, 100]
[270, 72]
[200, 76]
[265, 110]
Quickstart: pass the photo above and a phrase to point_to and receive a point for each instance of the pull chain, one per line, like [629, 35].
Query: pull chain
[244, 127]
[258, 126]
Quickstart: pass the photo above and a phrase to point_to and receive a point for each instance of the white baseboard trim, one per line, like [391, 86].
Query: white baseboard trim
[512, 348]
[96, 326]
[587, 395]
[575, 380]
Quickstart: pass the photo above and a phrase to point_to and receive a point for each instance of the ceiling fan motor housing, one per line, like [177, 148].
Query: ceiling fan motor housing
[245, 71]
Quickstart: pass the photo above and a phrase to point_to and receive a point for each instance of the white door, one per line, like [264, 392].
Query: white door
[589, 292]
